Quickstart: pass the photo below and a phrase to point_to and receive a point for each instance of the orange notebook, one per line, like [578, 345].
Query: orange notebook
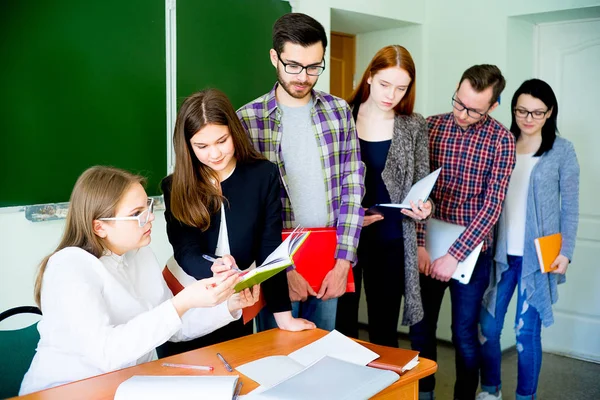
[548, 248]
[316, 257]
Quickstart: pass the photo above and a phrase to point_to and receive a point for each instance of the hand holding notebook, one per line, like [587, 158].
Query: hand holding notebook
[277, 261]
[548, 250]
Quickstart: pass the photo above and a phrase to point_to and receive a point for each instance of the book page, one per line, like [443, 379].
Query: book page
[334, 345]
[269, 371]
[280, 253]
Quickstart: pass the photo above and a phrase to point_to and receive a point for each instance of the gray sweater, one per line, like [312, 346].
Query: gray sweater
[407, 162]
[552, 207]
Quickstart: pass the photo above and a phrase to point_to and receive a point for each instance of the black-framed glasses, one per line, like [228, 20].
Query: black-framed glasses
[459, 106]
[295, 69]
[142, 218]
[536, 114]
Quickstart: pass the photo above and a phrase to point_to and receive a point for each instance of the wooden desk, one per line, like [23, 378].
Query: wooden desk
[236, 352]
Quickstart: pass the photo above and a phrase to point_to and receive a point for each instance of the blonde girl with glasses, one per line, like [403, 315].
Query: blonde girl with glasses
[105, 304]
[542, 199]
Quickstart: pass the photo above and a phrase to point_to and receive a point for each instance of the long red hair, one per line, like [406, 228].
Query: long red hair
[388, 57]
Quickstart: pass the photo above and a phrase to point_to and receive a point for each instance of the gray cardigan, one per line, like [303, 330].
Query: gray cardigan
[552, 207]
[407, 162]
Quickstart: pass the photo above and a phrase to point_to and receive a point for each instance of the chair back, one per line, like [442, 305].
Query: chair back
[17, 348]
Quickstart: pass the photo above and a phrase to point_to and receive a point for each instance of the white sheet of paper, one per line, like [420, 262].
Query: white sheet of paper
[419, 191]
[177, 387]
[331, 378]
[271, 370]
[334, 345]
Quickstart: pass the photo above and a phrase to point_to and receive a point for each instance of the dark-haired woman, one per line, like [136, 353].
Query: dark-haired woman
[542, 199]
[223, 198]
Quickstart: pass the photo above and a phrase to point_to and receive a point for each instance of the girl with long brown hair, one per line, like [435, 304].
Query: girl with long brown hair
[223, 199]
[393, 142]
[104, 301]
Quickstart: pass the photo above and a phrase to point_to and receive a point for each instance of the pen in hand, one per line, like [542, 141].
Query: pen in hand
[214, 260]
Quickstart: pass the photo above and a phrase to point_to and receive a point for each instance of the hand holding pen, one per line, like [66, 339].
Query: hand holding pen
[222, 264]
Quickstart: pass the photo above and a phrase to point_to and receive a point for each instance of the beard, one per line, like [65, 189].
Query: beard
[289, 86]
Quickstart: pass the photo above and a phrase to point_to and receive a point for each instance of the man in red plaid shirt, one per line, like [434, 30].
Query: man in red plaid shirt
[477, 155]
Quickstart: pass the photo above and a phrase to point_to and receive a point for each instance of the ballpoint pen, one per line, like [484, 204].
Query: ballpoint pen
[213, 260]
[187, 366]
[238, 389]
[227, 366]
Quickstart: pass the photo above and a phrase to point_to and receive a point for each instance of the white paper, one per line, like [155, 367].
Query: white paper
[148, 387]
[334, 345]
[331, 378]
[419, 191]
[271, 370]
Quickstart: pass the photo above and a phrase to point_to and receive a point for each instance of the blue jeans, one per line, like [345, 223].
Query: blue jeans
[528, 327]
[466, 307]
[322, 313]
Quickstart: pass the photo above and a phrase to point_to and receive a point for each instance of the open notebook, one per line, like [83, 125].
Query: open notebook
[277, 261]
[148, 387]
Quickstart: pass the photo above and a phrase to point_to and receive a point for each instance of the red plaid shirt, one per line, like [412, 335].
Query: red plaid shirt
[476, 167]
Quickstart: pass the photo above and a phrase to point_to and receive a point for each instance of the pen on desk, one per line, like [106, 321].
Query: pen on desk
[227, 366]
[238, 389]
[198, 367]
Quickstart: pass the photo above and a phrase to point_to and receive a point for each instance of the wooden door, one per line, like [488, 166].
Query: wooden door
[342, 64]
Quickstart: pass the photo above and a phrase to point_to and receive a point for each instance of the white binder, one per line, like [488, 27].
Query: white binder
[440, 237]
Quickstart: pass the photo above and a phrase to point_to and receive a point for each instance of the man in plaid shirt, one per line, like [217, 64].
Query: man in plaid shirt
[477, 155]
[311, 137]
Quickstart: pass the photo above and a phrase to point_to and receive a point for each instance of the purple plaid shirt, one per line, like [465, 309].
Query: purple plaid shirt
[343, 171]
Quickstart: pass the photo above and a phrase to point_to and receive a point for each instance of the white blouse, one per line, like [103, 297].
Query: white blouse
[100, 315]
[515, 203]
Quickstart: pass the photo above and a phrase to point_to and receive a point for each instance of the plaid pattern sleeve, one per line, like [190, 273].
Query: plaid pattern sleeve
[476, 168]
[352, 172]
[343, 171]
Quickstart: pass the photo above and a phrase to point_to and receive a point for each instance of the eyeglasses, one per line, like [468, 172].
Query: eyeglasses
[470, 112]
[142, 218]
[295, 69]
[523, 113]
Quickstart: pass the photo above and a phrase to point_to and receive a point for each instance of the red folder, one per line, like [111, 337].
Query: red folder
[316, 257]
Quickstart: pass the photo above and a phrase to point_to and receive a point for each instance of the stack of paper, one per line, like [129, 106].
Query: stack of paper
[330, 378]
[333, 367]
[149, 387]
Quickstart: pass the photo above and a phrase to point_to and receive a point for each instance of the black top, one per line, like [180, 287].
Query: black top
[374, 155]
[254, 225]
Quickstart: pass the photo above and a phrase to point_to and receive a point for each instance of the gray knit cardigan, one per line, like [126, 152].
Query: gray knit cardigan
[407, 162]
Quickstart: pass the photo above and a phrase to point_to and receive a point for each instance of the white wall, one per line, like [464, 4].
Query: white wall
[23, 244]
[403, 10]
[411, 37]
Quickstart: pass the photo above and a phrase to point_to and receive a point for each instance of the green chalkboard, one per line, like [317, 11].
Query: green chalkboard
[225, 44]
[84, 83]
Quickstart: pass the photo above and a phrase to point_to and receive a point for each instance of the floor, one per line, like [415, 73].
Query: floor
[562, 378]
